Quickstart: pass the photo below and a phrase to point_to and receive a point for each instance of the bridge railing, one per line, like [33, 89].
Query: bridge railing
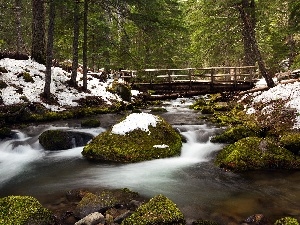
[212, 75]
[208, 74]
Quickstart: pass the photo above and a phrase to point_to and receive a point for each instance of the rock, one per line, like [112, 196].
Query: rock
[204, 222]
[234, 134]
[3, 70]
[123, 216]
[287, 221]
[92, 219]
[159, 210]
[90, 123]
[257, 219]
[253, 153]
[159, 141]
[95, 203]
[62, 139]
[24, 210]
[291, 141]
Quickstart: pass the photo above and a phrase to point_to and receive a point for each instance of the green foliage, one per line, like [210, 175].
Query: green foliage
[253, 153]
[23, 210]
[159, 210]
[135, 146]
[287, 221]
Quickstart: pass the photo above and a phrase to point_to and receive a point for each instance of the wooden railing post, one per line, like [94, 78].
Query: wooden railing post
[212, 72]
[235, 77]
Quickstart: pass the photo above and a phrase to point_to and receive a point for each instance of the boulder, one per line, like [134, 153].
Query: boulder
[23, 210]
[63, 139]
[103, 201]
[92, 219]
[159, 210]
[253, 153]
[153, 140]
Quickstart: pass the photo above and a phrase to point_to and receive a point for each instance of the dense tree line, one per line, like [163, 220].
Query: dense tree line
[158, 33]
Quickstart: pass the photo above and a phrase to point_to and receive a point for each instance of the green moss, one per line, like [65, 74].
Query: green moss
[207, 110]
[55, 140]
[199, 104]
[159, 210]
[121, 89]
[136, 146]
[291, 141]
[27, 77]
[253, 153]
[287, 221]
[90, 123]
[234, 134]
[5, 132]
[23, 210]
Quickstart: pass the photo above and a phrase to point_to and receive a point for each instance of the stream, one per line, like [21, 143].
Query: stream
[192, 181]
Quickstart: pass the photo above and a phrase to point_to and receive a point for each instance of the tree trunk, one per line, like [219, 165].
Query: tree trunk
[251, 34]
[20, 42]
[47, 93]
[75, 44]
[249, 54]
[84, 47]
[38, 31]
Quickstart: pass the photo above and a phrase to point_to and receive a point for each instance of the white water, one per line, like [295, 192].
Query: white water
[190, 180]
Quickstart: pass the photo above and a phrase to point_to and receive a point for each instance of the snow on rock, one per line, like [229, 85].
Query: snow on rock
[31, 90]
[135, 121]
[288, 92]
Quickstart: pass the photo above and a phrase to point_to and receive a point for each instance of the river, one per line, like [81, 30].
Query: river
[192, 181]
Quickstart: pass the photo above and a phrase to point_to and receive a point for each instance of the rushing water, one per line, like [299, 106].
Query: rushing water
[191, 180]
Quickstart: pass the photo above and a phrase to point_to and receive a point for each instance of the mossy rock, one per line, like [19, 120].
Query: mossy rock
[159, 210]
[253, 153]
[121, 89]
[3, 70]
[23, 210]
[234, 134]
[199, 104]
[3, 84]
[90, 123]
[103, 200]
[207, 110]
[136, 145]
[5, 133]
[287, 221]
[27, 77]
[291, 141]
[62, 139]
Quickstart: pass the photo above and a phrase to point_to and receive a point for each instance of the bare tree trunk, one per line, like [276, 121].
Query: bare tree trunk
[249, 54]
[38, 31]
[251, 34]
[84, 48]
[75, 44]
[20, 42]
[47, 93]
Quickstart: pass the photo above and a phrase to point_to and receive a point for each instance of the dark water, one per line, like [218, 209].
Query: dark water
[200, 189]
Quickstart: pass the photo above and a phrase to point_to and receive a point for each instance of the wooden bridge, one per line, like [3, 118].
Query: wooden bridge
[192, 81]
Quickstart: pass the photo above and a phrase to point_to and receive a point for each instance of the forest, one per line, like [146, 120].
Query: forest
[139, 34]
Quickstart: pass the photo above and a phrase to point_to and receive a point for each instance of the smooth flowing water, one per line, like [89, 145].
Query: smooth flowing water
[191, 180]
